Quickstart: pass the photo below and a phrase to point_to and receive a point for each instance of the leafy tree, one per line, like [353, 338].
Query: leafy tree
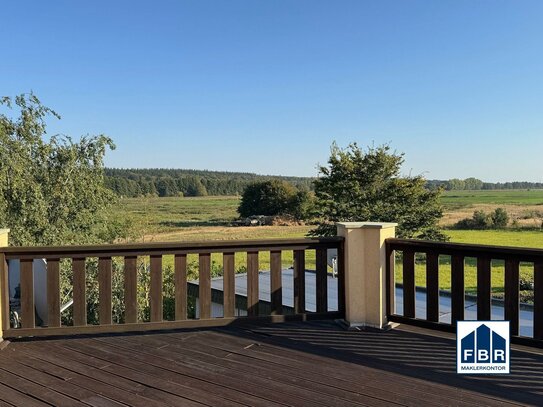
[359, 185]
[51, 189]
[500, 218]
[272, 198]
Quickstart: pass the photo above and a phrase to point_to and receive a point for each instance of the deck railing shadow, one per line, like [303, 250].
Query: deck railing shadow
[406, 352]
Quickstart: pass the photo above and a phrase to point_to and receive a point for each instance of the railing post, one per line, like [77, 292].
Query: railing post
[4, 289]
[365, 272]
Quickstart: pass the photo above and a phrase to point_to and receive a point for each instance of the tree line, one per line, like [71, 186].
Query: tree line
[470, 184]
[186, 182]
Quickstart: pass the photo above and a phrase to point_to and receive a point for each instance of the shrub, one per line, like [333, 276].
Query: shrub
[500, 218]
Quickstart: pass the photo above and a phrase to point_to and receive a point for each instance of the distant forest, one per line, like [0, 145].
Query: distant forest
[170, 182]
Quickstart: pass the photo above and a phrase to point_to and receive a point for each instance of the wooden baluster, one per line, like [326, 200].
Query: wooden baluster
[180, 270]
[229, 285]
[205, 285]
[156, 289]
[53, 293]
[432, 286]
[276, 283]
[4, 293]
[299, 281]
[27, 294]
[511, 287]
[457, 288]
[321, 277]
[538, 299]
[104, 287]
[252, 284]
[130, 290]
[341, 279]
[484, 288]
[80, 295]
[390, 281]
[409, 283]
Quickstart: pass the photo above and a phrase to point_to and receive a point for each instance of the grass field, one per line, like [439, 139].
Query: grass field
[208, 218]
[459, 199]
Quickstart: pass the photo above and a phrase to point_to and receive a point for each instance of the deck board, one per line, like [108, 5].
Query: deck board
[290, 364]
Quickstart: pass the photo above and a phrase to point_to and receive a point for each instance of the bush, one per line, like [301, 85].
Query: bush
[272, 198]
[500, 218]
[481, 220]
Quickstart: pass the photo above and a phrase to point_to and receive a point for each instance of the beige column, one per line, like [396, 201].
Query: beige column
[4, 293]
[365, 272]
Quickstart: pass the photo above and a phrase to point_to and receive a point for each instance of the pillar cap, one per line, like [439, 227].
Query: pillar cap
[366, 225]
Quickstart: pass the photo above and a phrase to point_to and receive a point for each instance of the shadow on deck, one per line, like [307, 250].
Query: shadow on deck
[294, 364]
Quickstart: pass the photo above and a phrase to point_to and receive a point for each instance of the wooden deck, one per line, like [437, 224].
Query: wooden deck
[292, 364]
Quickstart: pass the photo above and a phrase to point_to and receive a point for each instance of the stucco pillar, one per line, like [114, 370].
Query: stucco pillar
[4, 293]
[365, 272]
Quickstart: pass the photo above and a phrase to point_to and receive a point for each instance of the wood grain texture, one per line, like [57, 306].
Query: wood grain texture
[276, 283]
[156, 288]
[104, 287]
[409, 283]
[180, 270]
[229, 285]
[299, 281]
[27, 294]
[130, 290]
[321, 280]
[432, 286]
[53, 293]
[80, 292]
[511, 300]
[205, 285]
[252, 284]
[483, 288]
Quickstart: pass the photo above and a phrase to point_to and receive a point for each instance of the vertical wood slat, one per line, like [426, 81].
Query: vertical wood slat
[252, 283]
[4, 293]
[156, 288]
[432, 286]
[130, 290]
[27, 294]
[299, 281]
[204, 296]
[53, 293]
[80, 295]
[341, 278]
[229, 285]
[322, 280]
[390, 281]
[538, 299]
[180, 276]
[511, 300]
[276, 283]
[409, 283]
[104, 290]
[483, 288]
[457, 288]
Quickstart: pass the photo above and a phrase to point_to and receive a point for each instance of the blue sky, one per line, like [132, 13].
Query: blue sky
[266, 86]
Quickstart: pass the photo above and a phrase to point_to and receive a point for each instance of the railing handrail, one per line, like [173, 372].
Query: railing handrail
[445, 248]
[135, 249]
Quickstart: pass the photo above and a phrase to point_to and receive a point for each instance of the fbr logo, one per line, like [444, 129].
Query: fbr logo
[482, 347]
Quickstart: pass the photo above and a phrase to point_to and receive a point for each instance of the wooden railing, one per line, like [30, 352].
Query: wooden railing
[408, 252]
[78, 256]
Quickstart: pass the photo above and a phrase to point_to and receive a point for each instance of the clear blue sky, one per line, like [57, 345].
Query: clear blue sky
[266, 86]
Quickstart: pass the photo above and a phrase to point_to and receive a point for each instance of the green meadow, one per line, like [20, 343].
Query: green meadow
[460, 199]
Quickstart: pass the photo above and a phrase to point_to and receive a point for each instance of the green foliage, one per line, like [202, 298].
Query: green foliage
[499, 218]
[362, 185]
[481, 220]
[272, 198]
[51, 190]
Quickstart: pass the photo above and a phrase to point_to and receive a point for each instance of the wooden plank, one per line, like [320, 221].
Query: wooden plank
[538, 300]
[28, 319]
[4, 293]
[457, 288]
[432, 286]
[409, 283]
[104, 287]
[483, 288]
[276, 283]
[341, 278]
[252, 283]
[53, 293]
[130, 290]
[299, 281]
[321, 280]
[511, 300]
[390, 280]
[156, 288]
[229, 285]
[180, 270]
[204, 296]
[80, 295]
